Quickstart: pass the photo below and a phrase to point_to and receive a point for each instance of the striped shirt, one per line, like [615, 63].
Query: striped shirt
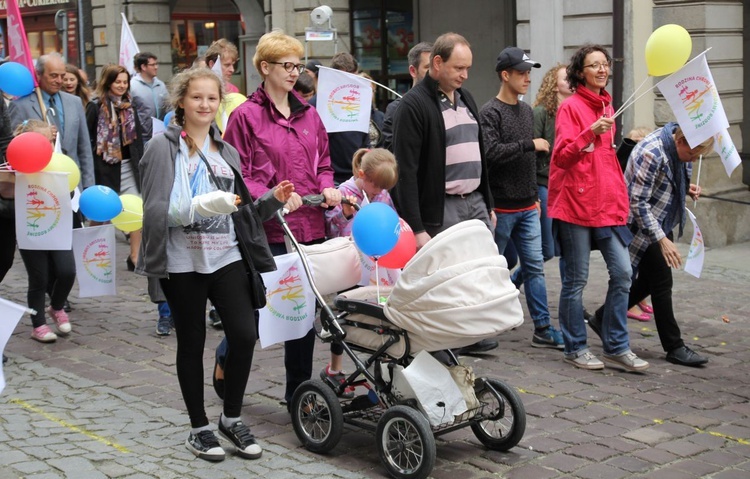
[463, 160]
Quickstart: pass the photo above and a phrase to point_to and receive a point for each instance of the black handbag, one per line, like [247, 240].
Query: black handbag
[246, 223]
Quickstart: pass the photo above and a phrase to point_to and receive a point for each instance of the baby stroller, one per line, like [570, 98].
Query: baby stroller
[455, 291]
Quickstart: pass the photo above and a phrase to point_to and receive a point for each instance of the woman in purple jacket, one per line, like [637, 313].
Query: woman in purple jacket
[280, 137]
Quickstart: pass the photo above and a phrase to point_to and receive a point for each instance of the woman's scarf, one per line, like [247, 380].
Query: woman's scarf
[676, 209]
[114, 111]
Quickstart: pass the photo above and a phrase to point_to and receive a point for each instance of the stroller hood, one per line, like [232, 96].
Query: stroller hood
[455, 291]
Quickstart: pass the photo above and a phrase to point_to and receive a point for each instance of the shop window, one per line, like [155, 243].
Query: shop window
[382, 35]
[193, 33]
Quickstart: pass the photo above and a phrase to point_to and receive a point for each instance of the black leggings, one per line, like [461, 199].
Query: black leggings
[55, 269]
[655, 278]
[229, 291]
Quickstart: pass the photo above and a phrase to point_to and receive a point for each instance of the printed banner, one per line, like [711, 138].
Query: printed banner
[94, 251]
[382, 276]
[694, 263]
[10, 315]
[128, 46]
[344, 101]
[290, 312]
[724, 146]
[44, 216]
[694, 99]
[18, 44]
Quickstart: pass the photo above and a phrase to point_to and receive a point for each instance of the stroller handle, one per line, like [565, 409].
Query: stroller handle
[317, 200]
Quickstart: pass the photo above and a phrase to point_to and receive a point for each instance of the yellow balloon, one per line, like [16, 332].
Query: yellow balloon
[65, 164]
[131, 218]
[667, 50]
[228, 105]
[232, 101]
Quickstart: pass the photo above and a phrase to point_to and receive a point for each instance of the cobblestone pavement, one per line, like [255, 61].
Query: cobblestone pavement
[104, 402]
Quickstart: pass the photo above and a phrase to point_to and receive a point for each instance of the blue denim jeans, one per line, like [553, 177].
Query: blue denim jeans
[576, 242]
[548, 241]
[523, 228]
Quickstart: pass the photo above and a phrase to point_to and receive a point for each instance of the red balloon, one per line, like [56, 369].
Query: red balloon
[29, 152]
[405, 248]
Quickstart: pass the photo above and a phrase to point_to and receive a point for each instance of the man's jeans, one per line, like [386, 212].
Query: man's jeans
[523, 228]
[576, 241]
[548, 241]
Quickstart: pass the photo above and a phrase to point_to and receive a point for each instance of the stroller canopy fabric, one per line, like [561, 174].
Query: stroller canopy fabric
[455, 291]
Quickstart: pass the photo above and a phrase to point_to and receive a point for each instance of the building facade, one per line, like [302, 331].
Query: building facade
[379, 33]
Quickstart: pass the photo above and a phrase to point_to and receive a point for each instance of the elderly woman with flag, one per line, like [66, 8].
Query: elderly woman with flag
[657, 176]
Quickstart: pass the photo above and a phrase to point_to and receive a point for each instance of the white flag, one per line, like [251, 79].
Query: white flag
[694, 263]
[724, 146]
[44, 218]
[157, 127]
[10, 315]
[382, 276]
[694, 99]
[290, 312]
[128, 46]
[94, 251]
[344, 101]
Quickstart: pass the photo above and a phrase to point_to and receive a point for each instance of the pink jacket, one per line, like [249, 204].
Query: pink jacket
[274, 148]
[586, 184]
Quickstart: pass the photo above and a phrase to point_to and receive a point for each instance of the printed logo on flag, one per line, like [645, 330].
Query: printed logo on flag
[289, 291]
[345, 102]
[97, 260]
[43, 210]
[700, 99]
[696, 246]
[724, 145]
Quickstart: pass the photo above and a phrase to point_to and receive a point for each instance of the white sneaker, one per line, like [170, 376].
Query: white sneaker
[205, 445]
[585, 360]
[627, 361]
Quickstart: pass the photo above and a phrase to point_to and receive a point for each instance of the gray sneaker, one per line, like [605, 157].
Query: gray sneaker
[585, 360]
[626, 361]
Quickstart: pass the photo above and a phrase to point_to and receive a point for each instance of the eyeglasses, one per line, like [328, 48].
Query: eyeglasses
[598, 66]
[156, 64]
[289, 66]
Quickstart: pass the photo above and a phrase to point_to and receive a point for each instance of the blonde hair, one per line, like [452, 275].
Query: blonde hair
[379, 166]
[547, 95]
[702, 149]
[639, 132]
[37, 126]
[178, 89]
[274, 45]
[222, 46]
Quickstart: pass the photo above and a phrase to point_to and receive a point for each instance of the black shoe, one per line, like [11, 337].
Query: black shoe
[595, 322]
[479, 347]
[586, 315]
[129, 263]
[163, 326]
[214, 319]
[242, 438]
[205, 445]
[686, 357]
[66, 306]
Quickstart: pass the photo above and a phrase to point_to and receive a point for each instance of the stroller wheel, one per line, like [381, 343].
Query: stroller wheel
[502, 422]
[405, 443]
[316, 416]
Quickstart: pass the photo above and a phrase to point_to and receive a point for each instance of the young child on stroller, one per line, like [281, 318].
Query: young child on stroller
[375, 172]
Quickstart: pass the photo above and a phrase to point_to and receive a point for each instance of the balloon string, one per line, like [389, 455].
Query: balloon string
[631, 96]
[624, 107]
[377, 279]
[140, 215]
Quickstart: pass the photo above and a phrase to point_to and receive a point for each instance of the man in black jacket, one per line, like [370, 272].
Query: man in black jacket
[437, 142]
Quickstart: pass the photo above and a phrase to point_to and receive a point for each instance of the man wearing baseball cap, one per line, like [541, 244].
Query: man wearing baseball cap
[508, 127]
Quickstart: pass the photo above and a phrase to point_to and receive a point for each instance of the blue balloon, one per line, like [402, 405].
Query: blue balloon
[100, 203]
[16, 79]
[376, 229]
[168, 118]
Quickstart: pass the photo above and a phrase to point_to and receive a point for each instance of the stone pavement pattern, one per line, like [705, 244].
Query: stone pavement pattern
[105, 403]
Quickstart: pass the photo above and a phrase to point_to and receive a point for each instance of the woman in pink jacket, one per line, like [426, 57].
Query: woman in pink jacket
[280, 137]
[589, 203]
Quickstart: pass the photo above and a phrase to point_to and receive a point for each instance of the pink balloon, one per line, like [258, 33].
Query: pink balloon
[405, 248]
